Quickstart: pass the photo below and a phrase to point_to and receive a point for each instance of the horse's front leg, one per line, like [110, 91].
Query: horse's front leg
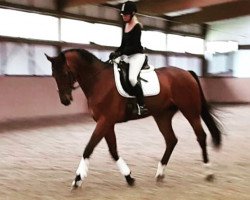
[101, 129]
[121, 164]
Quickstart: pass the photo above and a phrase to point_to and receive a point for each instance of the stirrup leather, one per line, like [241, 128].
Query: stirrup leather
[141, 110]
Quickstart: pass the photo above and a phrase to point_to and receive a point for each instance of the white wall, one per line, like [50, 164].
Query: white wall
[218, 63]
[237, 29]
[25, 59]
[186, 63]
[241, 63]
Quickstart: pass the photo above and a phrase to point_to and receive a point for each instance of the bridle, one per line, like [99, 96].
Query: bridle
[71, 78]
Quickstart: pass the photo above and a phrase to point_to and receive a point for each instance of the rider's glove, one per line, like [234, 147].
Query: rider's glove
[114, 55]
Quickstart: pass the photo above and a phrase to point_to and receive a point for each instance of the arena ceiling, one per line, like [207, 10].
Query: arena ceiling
[185, 11]
[190, 17]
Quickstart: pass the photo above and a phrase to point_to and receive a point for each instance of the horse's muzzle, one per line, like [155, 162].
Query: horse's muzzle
[66, 100]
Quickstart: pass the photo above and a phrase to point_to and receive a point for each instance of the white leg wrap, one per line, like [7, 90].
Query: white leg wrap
[83, 168]
[208, 169]
[82, 171]
[160, 170]
[123, 167]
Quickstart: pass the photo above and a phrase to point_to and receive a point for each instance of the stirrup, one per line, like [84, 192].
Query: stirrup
[141, 110]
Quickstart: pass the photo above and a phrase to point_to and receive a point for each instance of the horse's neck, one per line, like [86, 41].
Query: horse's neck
[88, 76]
[86, 68]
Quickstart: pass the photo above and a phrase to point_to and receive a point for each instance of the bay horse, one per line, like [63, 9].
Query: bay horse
[180, 90]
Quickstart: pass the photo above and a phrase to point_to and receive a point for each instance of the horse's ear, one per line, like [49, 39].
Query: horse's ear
[48, 57]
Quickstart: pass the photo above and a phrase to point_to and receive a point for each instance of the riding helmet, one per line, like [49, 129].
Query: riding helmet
[128, 8]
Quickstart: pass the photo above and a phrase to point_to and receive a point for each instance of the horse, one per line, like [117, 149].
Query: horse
[180, 90]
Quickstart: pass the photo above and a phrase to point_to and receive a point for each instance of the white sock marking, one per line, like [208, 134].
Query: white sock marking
[123, 167]
[160, 170]
[82, 170]
[208, 169]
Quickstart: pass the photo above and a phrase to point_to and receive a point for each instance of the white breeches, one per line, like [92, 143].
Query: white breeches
[135, 64]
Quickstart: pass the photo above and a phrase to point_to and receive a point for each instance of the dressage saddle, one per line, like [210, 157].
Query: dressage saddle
[123, 69]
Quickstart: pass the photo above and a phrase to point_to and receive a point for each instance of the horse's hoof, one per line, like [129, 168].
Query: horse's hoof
[73, 186]
[210, 178]
[160, 178]
[76, 183]
[130, 180]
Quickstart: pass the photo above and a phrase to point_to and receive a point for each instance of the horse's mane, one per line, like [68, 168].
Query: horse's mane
[84, 54]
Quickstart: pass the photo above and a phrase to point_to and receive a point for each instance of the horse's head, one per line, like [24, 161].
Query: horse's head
[64, 78]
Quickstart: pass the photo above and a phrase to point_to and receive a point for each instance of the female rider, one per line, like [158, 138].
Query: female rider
[131, 46]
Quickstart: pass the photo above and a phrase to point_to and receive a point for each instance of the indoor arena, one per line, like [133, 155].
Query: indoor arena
[74, 125]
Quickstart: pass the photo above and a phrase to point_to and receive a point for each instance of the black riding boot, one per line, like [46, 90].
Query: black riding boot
[140, 100]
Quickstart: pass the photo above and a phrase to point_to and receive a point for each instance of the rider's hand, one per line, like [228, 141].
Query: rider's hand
[114, 55]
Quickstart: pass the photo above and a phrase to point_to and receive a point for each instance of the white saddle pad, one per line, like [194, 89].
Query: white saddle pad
[150, 88]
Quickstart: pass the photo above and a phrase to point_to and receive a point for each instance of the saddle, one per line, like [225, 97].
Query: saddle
[147, 78]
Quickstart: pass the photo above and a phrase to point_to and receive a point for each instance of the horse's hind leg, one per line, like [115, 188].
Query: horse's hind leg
[121, 164]
[164, 122]
[201, 138]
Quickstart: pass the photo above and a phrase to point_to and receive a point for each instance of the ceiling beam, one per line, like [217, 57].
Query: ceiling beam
[74, 3]
[215, 13]
[56, 13]
[162, 6]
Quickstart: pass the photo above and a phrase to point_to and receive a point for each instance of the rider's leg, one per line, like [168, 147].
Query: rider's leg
[135, 64]
[140, 99]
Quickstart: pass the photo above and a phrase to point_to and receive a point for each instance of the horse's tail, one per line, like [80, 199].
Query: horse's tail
[207, 116]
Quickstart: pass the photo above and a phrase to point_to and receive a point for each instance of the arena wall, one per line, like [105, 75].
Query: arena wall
[30, 97]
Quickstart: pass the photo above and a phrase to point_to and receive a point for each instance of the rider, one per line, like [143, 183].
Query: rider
[131, 46]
